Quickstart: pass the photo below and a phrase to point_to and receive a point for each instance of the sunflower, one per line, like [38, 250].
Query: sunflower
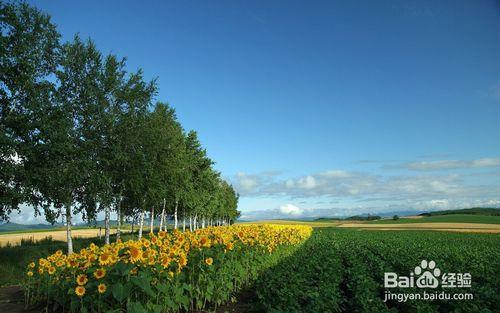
[101, 288]
[165, 261]
[29, 273]
[229, 246]
[209, 261]
[104, 259]
[100, 273]
[80, 291]
[72, 263]
[182, 260]
[204, 242]
[81, 279]
[32, 265]
[135, 254]
[51, 270]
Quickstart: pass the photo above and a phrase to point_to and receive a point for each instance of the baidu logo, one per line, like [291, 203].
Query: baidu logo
[427, 275]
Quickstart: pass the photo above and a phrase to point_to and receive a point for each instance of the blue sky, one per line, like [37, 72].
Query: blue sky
[322, 108]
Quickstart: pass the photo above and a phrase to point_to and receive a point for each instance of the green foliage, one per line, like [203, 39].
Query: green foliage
[448, 218]
[478, 211]
[81, 134]
[28, 58]
[343, 270]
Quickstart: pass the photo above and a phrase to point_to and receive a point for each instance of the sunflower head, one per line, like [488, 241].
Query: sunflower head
[100, 273]
[209, 261]
[81, 279]
[182, 260]
[135, 254]
[101, 288]
[80, 291]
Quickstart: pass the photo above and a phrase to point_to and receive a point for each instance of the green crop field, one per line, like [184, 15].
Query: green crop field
[343, 270]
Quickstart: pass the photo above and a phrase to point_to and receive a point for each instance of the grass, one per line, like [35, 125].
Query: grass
[14, 259]
[61, 228]
[452, 218]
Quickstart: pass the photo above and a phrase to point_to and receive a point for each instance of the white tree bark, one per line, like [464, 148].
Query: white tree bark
[162, 217]
[175, 214]
[68, 229]
[203, 222]
[118, 220]
[183, 223]
[141, 224]
[152, 218]
[106, 224]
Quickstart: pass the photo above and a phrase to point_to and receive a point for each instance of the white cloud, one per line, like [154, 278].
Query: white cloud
[290, 209]
[307, 182]
[399, 207]
[355, 192]
[250, 184]
[335, 174]
[453, 164]
[246, 183]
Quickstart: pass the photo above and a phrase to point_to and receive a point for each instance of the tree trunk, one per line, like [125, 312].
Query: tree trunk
[183, 223]
[162, 217]
[106, 224]
[190, 222]
[175, 213]
[203, 222]
[68, 229]
[118, 220]
[152, 217]
[141, 224]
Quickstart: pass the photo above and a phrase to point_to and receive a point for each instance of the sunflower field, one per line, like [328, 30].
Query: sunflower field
[167, 272]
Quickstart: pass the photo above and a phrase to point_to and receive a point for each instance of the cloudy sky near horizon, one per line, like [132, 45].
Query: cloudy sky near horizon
[327, 107]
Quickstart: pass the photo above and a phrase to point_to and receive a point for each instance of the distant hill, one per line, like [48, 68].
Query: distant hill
[9, 227]
[351, 218]
[473, 211]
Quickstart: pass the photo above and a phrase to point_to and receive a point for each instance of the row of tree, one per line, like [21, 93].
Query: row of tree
[79, 134]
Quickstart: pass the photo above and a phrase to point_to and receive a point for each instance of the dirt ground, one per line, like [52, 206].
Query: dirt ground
[15, 239]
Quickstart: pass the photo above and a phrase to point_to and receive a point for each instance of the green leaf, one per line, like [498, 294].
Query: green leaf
[143, 284]
[119, 292]
[136, 307]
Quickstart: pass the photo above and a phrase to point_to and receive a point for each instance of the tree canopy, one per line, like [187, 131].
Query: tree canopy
[80, 133]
